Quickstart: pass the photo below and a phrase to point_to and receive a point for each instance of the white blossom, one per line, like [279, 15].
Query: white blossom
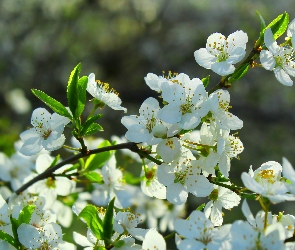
[266, 180]
[199, 233]
[221, 53]
[183, 176]
[47, 132]
[279, 59]
[289, 174]
[220, 197]
[150, 185]
[127, 222]
[102, 92]
[186, 100]
[153, 240]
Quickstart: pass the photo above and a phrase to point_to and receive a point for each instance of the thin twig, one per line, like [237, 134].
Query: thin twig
[48, 173]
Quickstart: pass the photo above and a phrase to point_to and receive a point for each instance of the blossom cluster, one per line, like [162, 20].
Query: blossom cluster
[184, 144]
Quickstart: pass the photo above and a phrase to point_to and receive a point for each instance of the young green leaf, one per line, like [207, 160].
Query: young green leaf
[72, 90]
[108, 221]
[94, 177]
[88, 123]
[92, 129]
[206, 81]
[55, 105]
[200, 208]
[239, 73]
[262, 25]
[96, 161]
[131, 179]
[8, 238]
[279, 25]
[14, 226]
[26, 214]
[55, 161]
[82, 85]
[90, 215]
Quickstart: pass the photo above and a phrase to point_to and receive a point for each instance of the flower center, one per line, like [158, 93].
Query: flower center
[105, 87]
[285, 57]
[50, 183]
[186, 107]
[267, 174]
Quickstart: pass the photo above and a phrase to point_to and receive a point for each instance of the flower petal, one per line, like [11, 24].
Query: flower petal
[222, 68]
[283, 77]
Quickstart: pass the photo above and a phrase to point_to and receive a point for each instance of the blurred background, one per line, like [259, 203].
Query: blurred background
[123, 40]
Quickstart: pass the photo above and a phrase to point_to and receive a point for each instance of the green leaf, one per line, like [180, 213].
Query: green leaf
[26, 214]
[72, 90]
[88, 123]
[206, 81]
[74, 167]
[239, 72]
[279, 25]
[108, 221]
[8, 238]
[94, 177]
[90, 215]
[54, 162]
[262, 24]
[200, 208]
[55, 105]
[82, 85]
[119, 243]
[93, 128]
[96, 161]
[14, 226]
[131, 179]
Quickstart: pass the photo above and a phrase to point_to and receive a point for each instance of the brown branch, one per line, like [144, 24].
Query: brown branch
[48, 173]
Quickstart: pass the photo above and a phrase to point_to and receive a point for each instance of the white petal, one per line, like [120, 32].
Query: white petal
[53, 233]
[138, 233]
[236, 55]
[204, 58]
[199, 185]
[58, 121]
[43, 162]
[270, 42]
[64, 186]
[247, 213]
[267, 60]
[82, 240]
[153, 81]
[244, 235]
[189, 121]
[222, 68]
[288, 170]
[28, 235]
[228, 198]
[283, 77]
[291, 28]
[239, 38]
[170, 113]
[91, 85]
[54, 144]
[153, 240]
[169, 149]
[182, 227]
[251, 184]
[31, 146]
[176, 194]
[216, 214]
[290, 69]
[165, 174]
[149, 108]
[40, 116]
